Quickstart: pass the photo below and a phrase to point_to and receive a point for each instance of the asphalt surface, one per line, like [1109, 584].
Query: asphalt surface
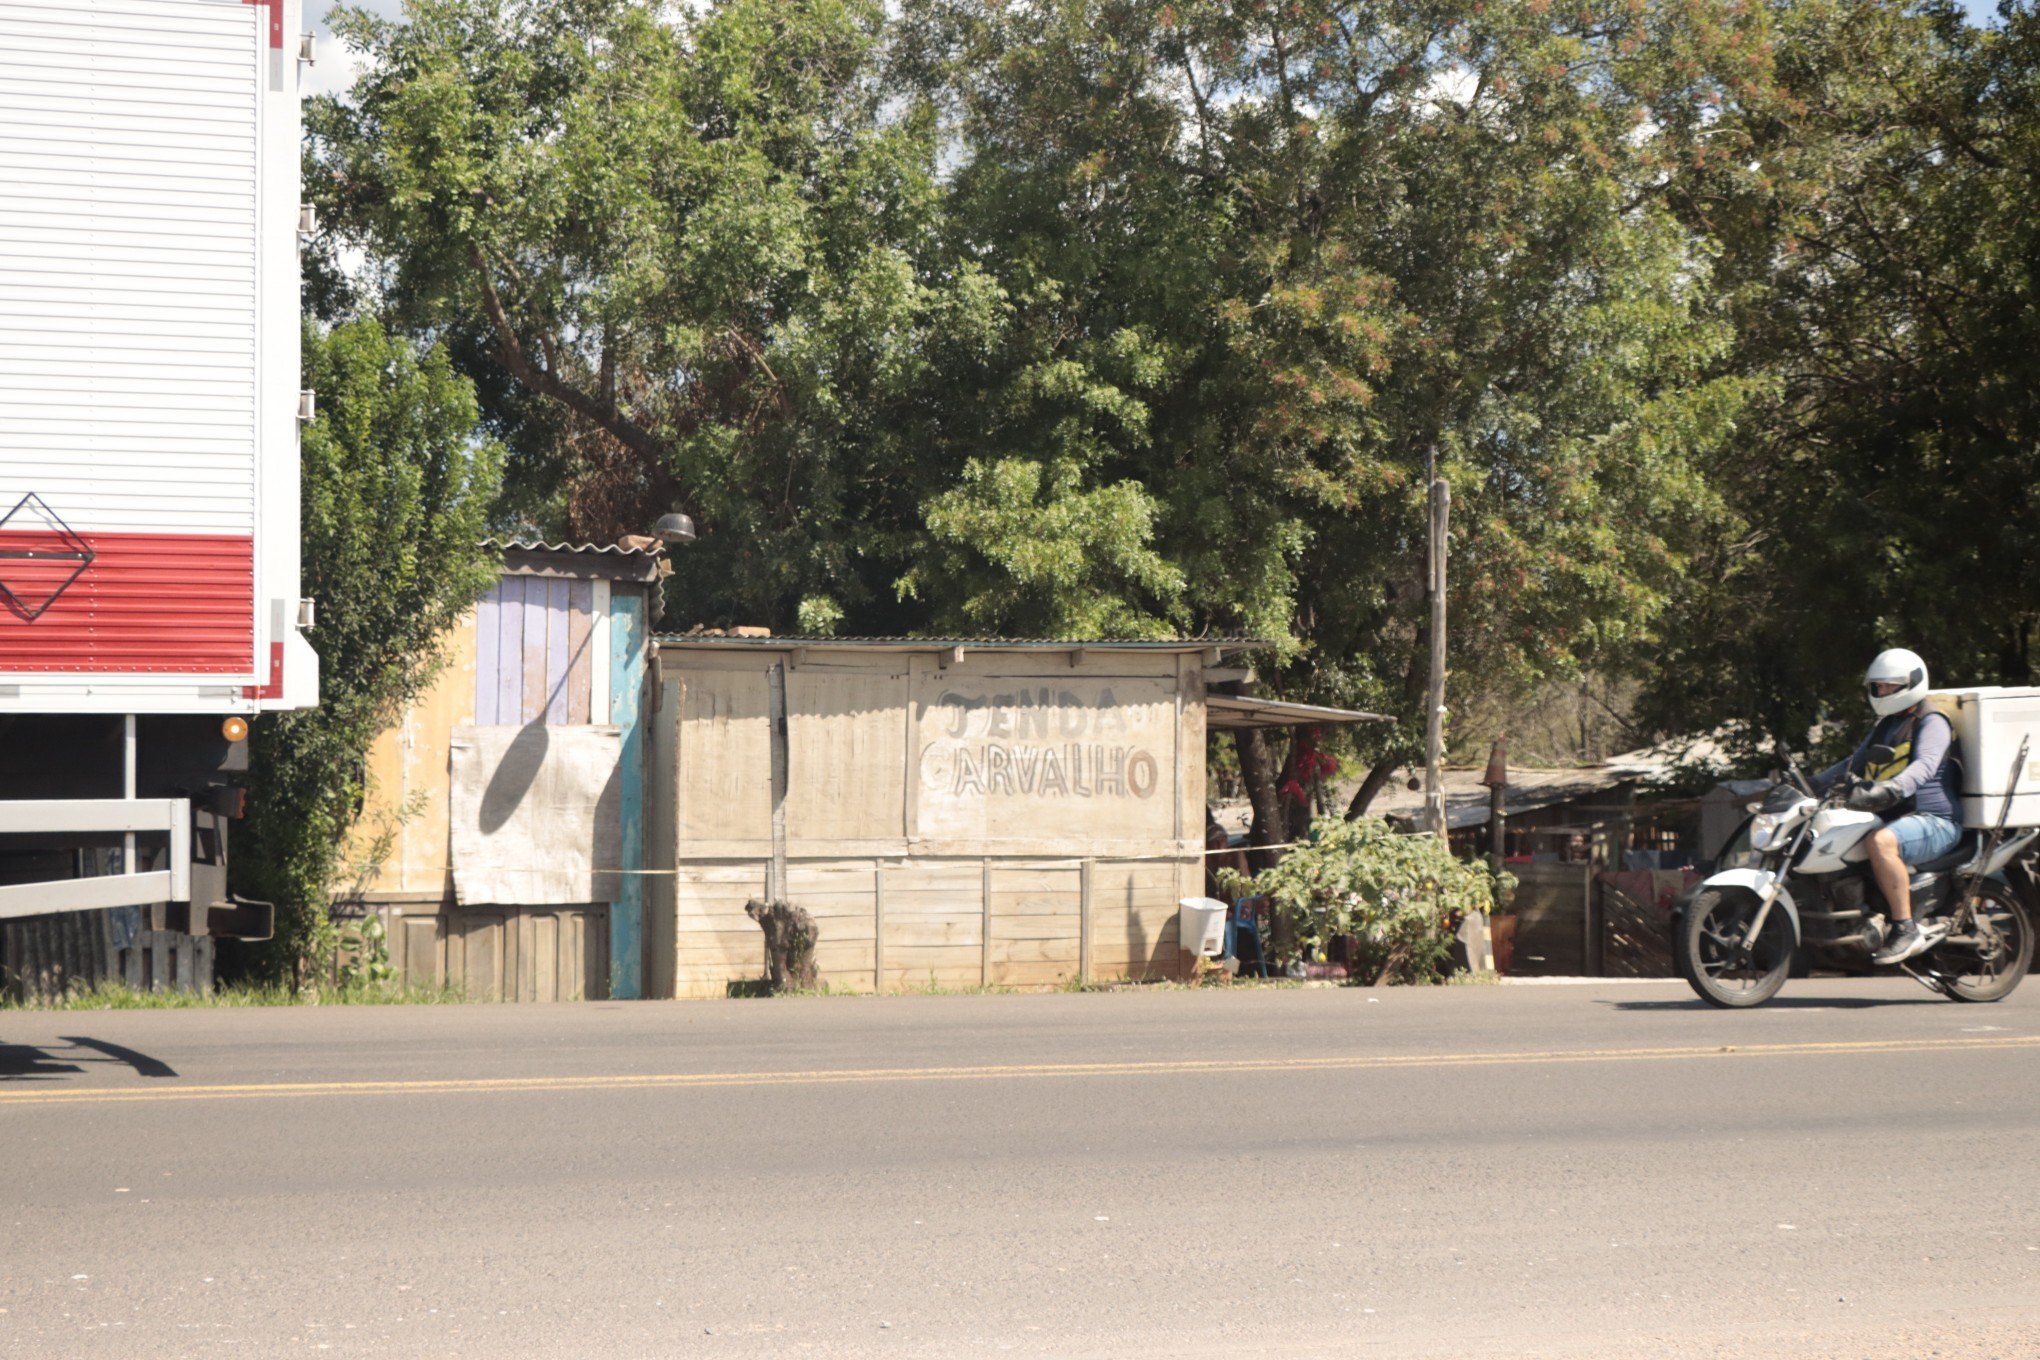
[1567, 1171]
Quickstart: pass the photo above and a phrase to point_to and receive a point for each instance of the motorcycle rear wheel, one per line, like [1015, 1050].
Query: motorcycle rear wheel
[1988, 972]
[1711, 955]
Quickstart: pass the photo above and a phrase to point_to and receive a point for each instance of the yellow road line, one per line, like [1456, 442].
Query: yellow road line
[869, 1075]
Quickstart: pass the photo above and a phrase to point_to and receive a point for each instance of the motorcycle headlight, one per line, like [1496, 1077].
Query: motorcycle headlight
[1764, 830]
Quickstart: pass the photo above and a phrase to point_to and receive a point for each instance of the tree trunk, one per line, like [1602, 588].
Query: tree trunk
[1413, 691]
[1376, 780]
[1257, 772]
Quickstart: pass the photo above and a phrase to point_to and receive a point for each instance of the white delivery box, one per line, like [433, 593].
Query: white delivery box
[1990, 723]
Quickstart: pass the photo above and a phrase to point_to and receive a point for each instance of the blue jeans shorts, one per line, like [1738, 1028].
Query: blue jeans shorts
[1923, 836]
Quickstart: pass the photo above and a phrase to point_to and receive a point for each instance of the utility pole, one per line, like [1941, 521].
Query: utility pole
[1434, 733]
[1497, 781]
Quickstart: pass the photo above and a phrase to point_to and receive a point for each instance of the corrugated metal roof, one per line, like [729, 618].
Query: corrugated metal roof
[1466, 798]
[1232, 712]
[602, 549]
[929, 644]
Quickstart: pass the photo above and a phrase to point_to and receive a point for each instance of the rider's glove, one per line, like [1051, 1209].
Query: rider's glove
[1874, 797]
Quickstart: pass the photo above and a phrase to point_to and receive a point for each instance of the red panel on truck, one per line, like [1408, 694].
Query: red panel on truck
[147, 604]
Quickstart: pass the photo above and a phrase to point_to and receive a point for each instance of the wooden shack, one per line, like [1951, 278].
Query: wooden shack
[953, 813]
[501, 837]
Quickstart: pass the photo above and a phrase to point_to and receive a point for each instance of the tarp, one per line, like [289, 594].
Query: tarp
[537, 814]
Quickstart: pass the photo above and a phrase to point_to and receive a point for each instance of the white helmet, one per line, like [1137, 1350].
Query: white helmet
[1897, 667]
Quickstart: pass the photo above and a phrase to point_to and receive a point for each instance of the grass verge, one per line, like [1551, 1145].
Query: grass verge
[118, 996]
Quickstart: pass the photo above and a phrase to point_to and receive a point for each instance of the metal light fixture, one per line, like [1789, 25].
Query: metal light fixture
[674, 528]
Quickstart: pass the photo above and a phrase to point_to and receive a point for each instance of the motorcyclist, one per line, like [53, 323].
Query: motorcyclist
[1916, 789]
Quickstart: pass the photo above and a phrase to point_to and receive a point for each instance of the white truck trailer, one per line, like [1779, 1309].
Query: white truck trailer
[149, 415]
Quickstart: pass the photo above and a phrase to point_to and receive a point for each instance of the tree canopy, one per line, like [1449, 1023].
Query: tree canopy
[1114, 318]
[396, 497]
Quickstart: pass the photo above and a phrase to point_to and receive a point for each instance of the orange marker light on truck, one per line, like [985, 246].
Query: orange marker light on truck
[235, 729]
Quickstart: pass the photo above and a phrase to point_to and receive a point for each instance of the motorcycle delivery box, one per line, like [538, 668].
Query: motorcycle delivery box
[1989, 724]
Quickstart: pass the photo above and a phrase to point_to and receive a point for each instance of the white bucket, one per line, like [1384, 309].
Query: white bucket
[1200, 925]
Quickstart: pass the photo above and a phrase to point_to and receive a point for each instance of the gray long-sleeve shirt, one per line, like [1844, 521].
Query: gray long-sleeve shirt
[1929, 783]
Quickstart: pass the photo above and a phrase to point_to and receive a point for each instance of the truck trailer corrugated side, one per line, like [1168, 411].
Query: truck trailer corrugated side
[149, 416]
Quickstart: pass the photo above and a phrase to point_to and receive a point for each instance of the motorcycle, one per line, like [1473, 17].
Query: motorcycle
[1807, 899]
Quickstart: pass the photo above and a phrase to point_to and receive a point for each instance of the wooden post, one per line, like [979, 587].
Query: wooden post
[1084, 921]
[775, 888]
[1497, 781]
[1590, 946]
[878, 929]
[1434, 722]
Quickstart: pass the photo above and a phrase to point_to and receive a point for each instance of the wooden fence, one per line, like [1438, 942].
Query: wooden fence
[42, 957]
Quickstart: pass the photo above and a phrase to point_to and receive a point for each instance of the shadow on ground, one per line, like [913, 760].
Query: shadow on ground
[29, 1062]
[1783, 1003]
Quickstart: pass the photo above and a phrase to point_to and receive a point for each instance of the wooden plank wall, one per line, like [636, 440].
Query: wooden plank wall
[502, 953]
[535, 641]
[921, 924]
[947, 825]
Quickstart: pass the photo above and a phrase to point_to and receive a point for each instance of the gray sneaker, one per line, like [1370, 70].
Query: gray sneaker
[1909, 939]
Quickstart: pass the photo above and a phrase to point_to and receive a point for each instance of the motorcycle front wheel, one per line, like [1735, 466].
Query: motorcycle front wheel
[1719, 968]
[1992, 958]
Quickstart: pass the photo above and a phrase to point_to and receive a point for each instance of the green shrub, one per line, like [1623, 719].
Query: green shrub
[1398, 895]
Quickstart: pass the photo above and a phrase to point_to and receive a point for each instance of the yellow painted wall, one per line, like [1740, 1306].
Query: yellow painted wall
[408, 781]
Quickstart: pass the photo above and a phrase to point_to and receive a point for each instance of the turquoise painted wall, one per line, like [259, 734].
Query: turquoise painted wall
[627, 647]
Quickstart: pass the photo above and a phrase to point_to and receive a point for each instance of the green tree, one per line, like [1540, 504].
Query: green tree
[683, 255]
[396, 489]
[1880, 253]
[1260, 261]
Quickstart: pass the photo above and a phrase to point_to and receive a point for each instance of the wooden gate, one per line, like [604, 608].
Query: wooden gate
[505, 953]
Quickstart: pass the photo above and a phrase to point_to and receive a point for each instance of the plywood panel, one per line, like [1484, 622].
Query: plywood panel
[846, 731]
[488, 612]
[840, 960]
[922, 957]
[559, 632]
[580, 664]
[510, 620]
[1040, 976]
[420, 965]
[725, 758]
[539, 966]
[912, 934]
[1086, 759]
[749, 877]
[537, 627]
[1014, 928]
[1062, 949]
[1020, 881]
[479, 954]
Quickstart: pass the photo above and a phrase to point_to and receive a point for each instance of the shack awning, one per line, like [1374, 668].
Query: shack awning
[1231, 713]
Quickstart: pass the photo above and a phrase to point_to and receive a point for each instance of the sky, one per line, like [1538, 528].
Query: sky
[335, 69]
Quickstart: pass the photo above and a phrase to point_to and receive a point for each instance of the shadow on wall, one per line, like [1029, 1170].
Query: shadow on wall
[522, 760]
[519, 772]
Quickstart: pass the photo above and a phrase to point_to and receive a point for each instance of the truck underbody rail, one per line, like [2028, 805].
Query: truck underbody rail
[100, 816]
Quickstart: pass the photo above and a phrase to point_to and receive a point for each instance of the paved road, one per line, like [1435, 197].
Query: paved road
[1586, 1171]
